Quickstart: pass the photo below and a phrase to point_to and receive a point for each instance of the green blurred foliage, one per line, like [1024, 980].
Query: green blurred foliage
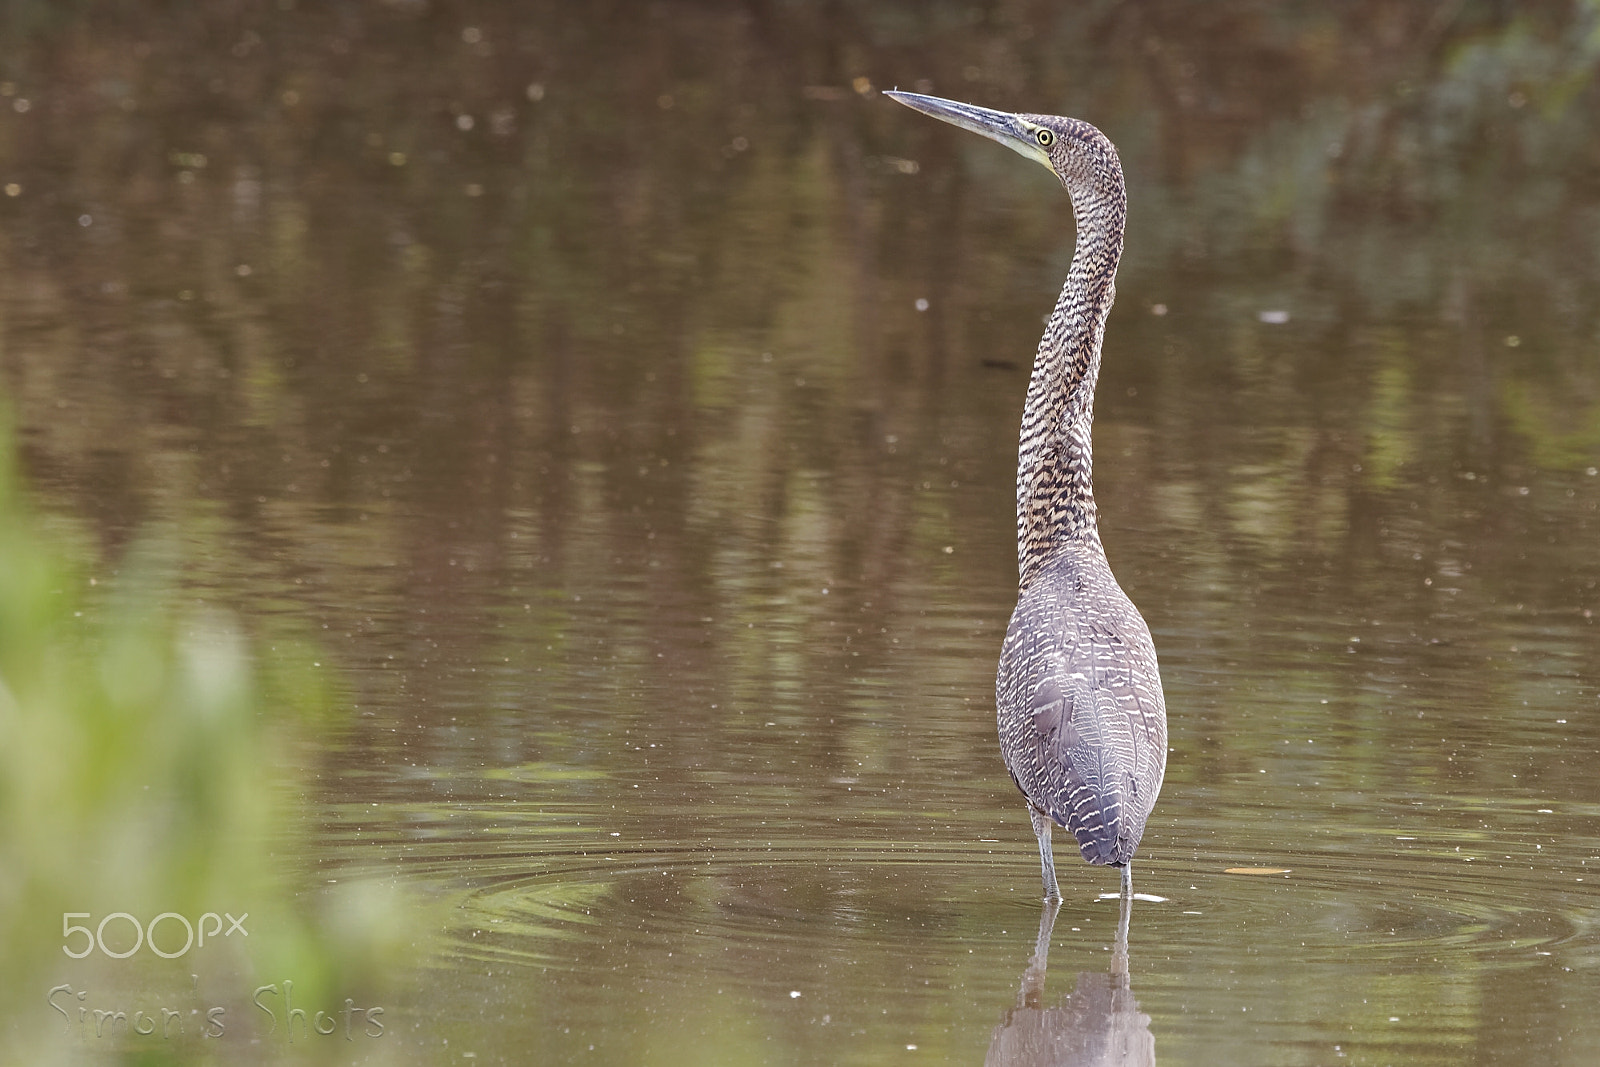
[155, 761]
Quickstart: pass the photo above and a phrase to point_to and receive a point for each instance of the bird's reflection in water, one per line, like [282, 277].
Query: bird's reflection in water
[1097, 1023]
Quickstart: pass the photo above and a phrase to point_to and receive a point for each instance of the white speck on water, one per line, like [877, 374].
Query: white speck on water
[922, 303]
[1274, 317]
[794, 994]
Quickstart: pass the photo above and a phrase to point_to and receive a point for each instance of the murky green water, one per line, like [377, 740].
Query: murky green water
[624, 402]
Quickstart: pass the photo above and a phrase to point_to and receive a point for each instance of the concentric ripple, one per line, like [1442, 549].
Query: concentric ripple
[1421, 901]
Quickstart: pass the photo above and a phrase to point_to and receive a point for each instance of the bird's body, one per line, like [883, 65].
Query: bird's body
[1082, 718]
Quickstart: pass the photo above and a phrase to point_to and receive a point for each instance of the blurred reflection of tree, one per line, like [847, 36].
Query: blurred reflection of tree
[404, 319]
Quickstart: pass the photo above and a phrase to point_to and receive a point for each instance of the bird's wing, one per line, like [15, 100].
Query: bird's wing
[1092, 734]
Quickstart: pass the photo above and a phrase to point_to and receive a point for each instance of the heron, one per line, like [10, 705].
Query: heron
[1082, 718]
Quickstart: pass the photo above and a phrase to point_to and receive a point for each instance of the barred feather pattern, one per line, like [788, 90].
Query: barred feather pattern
[1082, 718]
[1055, 453]
[1083, 723]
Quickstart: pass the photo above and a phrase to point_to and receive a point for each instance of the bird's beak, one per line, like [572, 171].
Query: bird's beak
[1000, 126]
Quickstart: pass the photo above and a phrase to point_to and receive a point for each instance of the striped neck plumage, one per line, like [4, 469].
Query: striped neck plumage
[1055, 457]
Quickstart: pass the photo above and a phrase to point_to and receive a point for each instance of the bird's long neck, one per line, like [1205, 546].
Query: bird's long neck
[1055, 457]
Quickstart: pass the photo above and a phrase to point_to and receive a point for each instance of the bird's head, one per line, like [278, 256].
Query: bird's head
[1079, 155]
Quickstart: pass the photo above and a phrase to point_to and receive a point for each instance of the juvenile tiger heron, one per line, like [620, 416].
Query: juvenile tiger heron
[1083, 723]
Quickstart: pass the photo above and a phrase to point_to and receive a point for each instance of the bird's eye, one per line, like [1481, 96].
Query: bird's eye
[1046, 138]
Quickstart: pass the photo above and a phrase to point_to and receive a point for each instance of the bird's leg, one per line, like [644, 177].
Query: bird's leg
[1041, 830]
[1127, 879]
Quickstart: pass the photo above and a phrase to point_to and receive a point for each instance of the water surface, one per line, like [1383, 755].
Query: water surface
[625, 401]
